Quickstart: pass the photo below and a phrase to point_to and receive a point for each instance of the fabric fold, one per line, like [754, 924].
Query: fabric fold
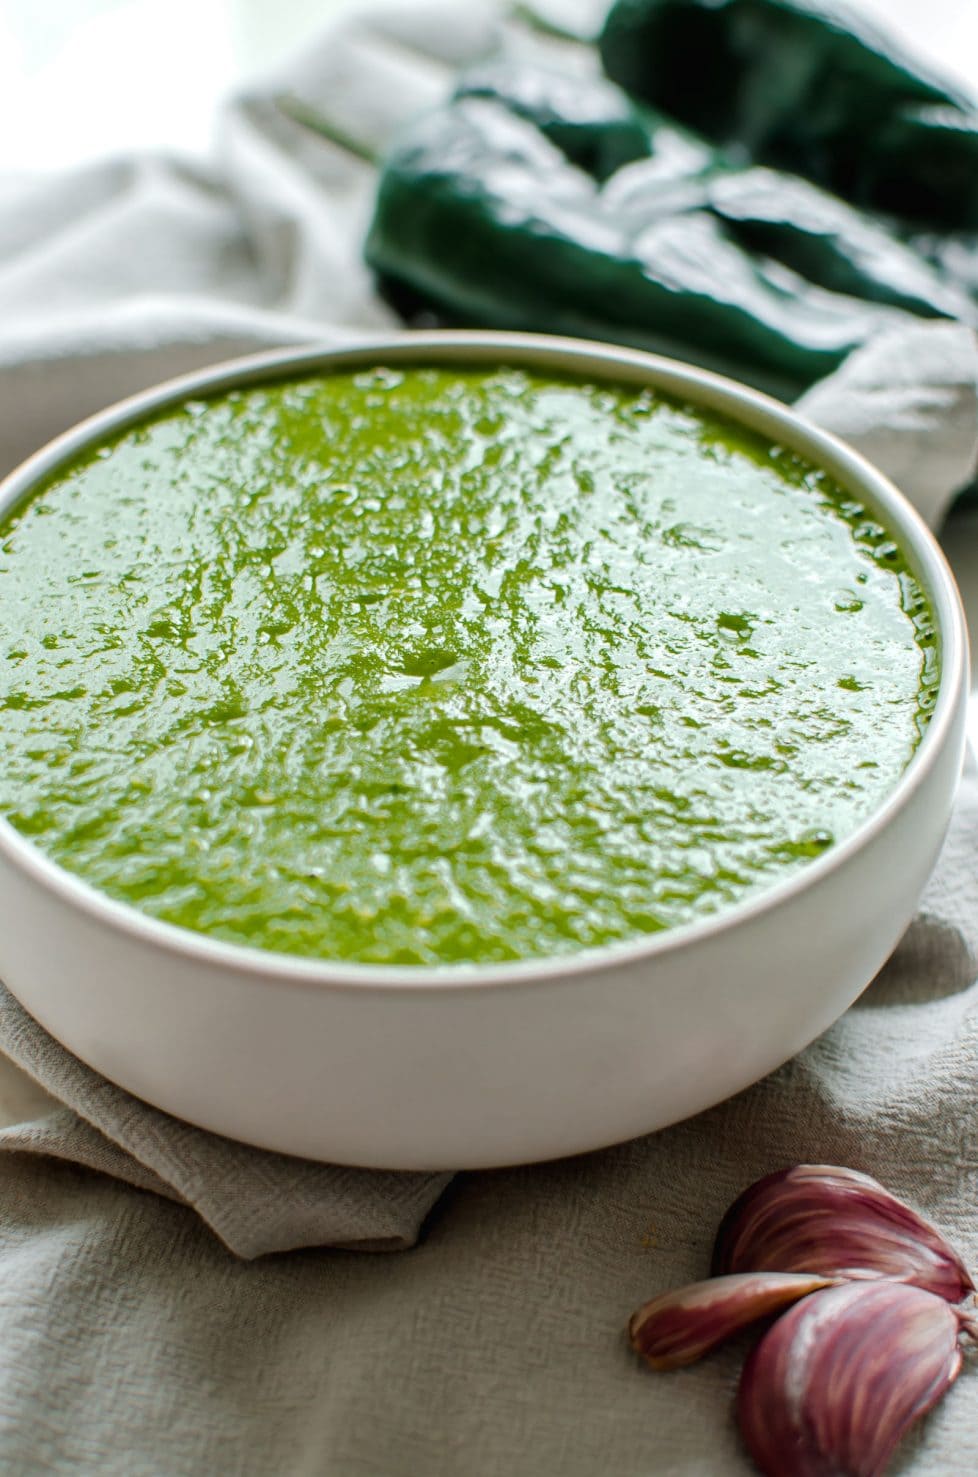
[131, 1342]
[124, 273]
[253, 1200]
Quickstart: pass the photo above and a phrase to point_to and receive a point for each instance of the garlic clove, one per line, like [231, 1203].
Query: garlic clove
[835, 1384]
[679, 1327]
[818, 1218]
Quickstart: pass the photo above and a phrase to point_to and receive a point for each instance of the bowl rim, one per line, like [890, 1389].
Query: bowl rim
[581, 358]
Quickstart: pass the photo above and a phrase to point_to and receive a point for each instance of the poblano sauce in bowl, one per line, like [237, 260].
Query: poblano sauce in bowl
[434, 664]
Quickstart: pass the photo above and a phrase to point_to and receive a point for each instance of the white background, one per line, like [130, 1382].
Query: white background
[84, 77]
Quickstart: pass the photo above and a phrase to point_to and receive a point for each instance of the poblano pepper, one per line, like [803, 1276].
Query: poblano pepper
[808, 86]
[540, 202]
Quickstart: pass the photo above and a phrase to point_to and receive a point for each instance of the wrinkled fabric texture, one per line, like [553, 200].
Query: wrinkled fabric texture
[131, 1340]
[253, 1200]
[132, 1343]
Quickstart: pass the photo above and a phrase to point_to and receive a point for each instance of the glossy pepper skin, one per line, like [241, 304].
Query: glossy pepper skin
[806, 86]
[535, 201]
[593, 123]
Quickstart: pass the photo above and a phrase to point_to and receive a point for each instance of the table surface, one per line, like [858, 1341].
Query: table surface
[122, 73]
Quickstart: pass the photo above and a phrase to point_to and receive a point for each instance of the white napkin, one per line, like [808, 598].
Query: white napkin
[908, 402]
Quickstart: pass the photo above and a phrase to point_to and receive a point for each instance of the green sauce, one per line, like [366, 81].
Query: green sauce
[441, 665]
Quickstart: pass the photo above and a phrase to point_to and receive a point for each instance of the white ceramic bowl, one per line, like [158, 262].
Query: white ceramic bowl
[419, 1068]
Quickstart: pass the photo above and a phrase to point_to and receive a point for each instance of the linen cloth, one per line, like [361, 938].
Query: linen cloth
[130, 1341]
[133, 1345]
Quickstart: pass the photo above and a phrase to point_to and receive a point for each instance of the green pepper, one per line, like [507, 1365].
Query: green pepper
[835, 245]
[806, 87]
[504, 208]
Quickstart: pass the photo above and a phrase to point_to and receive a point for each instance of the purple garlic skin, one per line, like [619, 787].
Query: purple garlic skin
[835, 1222]
[836, 1383]
[679, 1327]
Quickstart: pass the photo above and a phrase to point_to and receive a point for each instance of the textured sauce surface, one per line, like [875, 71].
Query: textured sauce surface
[441, 665]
